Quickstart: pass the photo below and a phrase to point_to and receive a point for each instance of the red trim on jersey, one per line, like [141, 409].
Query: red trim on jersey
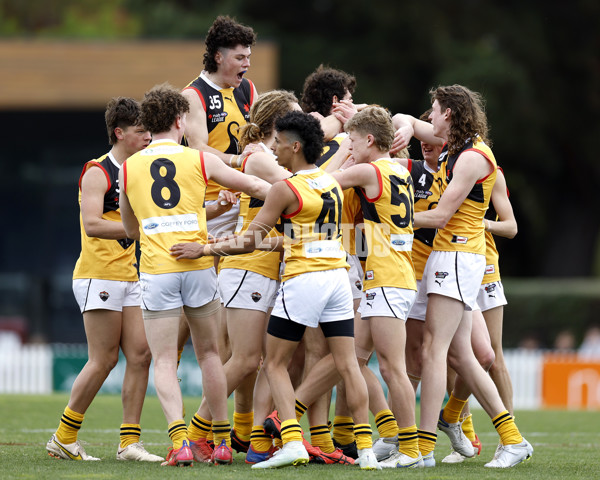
[203, 168]
[481, 180]
[251, 91]
[298, 196]
[244, 161]
[199, 95]
[124, 168]
[379, 179]
[409, 164]
[93, 163]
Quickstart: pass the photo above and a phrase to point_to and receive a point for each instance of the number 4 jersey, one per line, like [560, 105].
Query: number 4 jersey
[388, 228]
[165, 185]
[312, 234]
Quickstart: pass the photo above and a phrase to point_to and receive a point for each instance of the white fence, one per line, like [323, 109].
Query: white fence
[29, 369]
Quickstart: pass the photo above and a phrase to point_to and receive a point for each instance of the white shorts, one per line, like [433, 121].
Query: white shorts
[456, 275]
[223, 224]
[419, 308]
[166, 291]
[247, 290]
[355, 275]
[96, 294]
[491, 295]
[315, 297]
[387, 302]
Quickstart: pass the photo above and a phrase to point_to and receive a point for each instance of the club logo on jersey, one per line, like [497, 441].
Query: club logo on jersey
[490, 289]
[217, 117]
[460, 240]
[440, 276]
[255, 297]
[369, 275]
[103, 296]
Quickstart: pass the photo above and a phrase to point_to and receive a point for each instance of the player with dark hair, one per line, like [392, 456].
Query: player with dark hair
[314, 291]
[105, 283]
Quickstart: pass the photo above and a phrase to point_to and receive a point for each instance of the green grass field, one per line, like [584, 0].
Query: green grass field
[567, 445]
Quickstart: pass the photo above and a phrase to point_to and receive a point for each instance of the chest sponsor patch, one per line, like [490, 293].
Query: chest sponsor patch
[490, 269]
[369, 275]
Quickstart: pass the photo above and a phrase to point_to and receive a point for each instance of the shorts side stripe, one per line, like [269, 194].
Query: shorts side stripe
[283, 303]
[456, 276]
[87, 294]
[238, 289]
[388, 303]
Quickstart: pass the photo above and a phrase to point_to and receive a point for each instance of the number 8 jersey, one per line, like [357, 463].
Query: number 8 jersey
[388, 230]
[165, 184]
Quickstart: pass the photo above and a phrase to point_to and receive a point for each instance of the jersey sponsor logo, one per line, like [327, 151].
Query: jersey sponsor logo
[162, 150]
[440, 277]
[401, 242]
[103, 296]
[490, 269]
[423, 194]
[320, 183]
[217, 117]
[460, 240]
[255, 296]
[172, 223]
[369, 275]
[324, 249]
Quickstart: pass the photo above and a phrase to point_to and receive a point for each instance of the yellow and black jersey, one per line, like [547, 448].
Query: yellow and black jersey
[165, 186]
[312, 234]
[492, 257]
[388, 228]
[261, 262]
[103, 258]
[427, 195]
[464, 231]
[227, 109]
[330, 149]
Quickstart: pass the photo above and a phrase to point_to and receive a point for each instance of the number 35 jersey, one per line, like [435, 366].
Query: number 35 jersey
[388, 222]
[165, 185]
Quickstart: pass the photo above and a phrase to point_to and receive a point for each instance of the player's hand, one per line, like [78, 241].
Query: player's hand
[187, 250]
[250, 148]
[402, 138]
[227, 200]
[344, 110]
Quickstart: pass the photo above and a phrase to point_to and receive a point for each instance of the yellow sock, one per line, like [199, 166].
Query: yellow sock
[343, 429]
[259, 439]
[178, 433]
[426, 441]
[130, 433]
[291, 431]
[451, 412]
[386, 424]
[199, 428]
[507, 429]
[468, 429]
[300, 409]
[69, 426]
[221, 431]
[242, 424]
[408, 441]
[363, 435]
[320, 437]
